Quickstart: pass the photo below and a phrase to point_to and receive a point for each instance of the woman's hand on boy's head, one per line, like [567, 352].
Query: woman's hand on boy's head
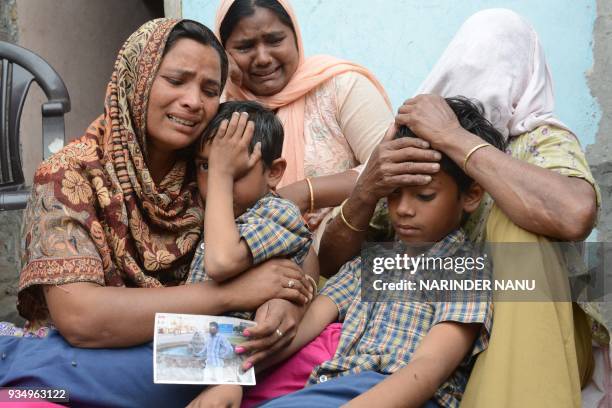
[229, 152]
[396, 163]
[429, 117]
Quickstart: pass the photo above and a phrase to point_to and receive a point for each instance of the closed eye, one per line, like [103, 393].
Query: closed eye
[173, 81]
[426, 197]
[211, 92]
[275, 40]
[244, 46]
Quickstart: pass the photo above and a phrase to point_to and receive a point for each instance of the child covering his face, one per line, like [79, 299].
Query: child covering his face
[246, 223]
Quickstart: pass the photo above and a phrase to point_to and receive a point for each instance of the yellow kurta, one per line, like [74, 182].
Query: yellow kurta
[531, 360]
[538, 351]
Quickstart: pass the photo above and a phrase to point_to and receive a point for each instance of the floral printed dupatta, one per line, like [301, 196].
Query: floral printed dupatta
[95, 214]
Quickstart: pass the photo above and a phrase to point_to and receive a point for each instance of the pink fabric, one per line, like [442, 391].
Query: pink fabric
[291, 375]
[598, 392]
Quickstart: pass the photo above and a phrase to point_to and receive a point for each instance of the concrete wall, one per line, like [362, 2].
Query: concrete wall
[8, 21]
[400, 41]
[599, 154]
[10, 221]
[80, 39]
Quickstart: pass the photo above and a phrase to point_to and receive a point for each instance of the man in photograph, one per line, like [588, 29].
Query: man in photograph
[216, 349]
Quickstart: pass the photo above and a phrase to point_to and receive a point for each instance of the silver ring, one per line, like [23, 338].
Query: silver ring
[279, 333]
[291, 284]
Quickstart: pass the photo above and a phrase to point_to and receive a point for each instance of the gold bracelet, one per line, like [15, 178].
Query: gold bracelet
[312, 207]
[348, 224]
[315, 289]
[471, 152]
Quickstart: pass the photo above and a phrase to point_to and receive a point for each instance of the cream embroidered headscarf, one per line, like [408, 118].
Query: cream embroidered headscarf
[496, 58]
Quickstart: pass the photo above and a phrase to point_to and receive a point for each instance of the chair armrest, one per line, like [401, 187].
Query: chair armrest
[14, 200]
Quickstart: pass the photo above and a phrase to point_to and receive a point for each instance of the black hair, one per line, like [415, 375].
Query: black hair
[470, 114]
[268, 129]
[202, 34]
[213, 324]
[245, 8]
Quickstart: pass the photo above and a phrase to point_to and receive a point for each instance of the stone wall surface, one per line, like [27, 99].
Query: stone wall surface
[599, 153]
[10, 222]
[8, 21]
[10, 225]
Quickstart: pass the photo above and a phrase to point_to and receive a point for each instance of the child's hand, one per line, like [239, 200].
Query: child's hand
[218, 396]
[229, 153]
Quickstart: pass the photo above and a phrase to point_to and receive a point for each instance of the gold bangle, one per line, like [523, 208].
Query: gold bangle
[348, 224]
[312, 207]
[315, 289]
[471, 152]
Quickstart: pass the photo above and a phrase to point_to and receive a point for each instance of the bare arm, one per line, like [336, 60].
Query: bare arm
[363, 115]
[438, 355]
[339, 243]
[227, 254]
[311, 326]
[328, 191]
[278, 314]
[94, 316]
[311, 266]
[536, 199]
[321, 313]
[89, 315]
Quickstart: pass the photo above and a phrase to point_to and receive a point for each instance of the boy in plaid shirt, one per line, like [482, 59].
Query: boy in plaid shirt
[408, 353]
[245, 221]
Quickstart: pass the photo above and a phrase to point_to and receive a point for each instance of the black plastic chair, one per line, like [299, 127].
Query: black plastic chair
[19, 68]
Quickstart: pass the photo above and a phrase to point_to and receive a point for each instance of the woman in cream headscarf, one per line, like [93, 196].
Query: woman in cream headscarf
[542, 188]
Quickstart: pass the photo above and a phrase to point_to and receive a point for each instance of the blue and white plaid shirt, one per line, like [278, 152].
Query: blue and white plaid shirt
[382, 336]
[272, 228]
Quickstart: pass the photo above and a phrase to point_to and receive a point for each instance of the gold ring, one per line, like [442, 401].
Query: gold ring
[279, 333]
